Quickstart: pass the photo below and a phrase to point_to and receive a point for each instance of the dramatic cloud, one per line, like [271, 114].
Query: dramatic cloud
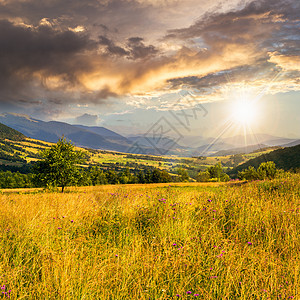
[263, 36]
[55, 55]
[40, 57]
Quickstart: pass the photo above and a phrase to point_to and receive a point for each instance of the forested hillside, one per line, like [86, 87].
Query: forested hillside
[9, 133]
[286, 159]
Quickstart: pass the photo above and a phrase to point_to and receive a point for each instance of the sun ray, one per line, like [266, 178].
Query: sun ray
[245, 111]
[228, 126]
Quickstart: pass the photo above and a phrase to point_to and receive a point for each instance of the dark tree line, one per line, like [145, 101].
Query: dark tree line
[88, 177]
[10, 179]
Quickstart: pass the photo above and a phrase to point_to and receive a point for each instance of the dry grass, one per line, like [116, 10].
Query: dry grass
[152, 242]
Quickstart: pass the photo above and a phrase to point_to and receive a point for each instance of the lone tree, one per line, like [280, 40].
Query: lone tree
[59, 165]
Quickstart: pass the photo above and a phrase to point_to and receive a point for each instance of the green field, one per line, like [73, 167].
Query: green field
[18, 153]
[163, 241]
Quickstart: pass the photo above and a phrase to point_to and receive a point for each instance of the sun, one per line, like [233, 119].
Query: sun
[244, 112]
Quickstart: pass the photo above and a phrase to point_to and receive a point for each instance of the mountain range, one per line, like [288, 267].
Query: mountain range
[97, 137]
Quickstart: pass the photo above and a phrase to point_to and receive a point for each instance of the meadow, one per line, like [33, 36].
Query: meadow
[18, 153]
[158, 241]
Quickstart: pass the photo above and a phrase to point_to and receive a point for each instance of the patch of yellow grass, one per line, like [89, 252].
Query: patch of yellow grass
[202, 241]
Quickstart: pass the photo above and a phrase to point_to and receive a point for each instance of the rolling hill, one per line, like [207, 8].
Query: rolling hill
[107, 134]
[11, 134]
[52, 131]
[257, 139]
[95, 137]
[81, 136]
[17, 153]
[294, 143]
[245, 150]
[286, 159]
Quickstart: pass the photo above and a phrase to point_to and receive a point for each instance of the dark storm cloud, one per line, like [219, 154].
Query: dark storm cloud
[111, 47]
[112, 15]
[43, 51]
[139, 50]
[39, 48]
[134, 48]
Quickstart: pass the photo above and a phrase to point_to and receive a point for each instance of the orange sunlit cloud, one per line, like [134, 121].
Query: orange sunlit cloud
[69, 54]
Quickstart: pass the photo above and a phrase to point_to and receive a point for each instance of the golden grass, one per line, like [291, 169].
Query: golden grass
[159, 241]
[110, 187]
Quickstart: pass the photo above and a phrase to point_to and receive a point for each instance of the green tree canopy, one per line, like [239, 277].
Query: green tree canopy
[213, 173]
[59, 165]
[266, 170]
[248, 174]
[182, 174]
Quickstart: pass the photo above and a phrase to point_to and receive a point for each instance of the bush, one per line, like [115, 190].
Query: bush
[213, 173]
[266, 170]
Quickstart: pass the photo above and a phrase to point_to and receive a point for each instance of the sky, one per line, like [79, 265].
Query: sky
[130, 64]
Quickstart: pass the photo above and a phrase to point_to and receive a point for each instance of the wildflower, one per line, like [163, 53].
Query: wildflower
[249, 243]
[196, 295]
[209, 200]
[72, 221]
[116, 255]
[177, 295]
[174, 244]
[59, 228]
[189, 292]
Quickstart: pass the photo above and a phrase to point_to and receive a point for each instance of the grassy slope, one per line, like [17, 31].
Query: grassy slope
[30, 149]
[153, 242]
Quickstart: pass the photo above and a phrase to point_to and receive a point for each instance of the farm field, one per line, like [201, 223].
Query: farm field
[20, 153]
[156, 241]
